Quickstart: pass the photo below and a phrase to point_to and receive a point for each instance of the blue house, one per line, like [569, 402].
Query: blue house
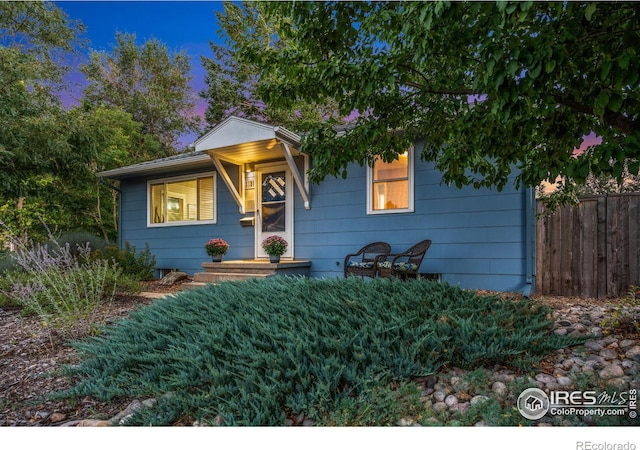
[248, 180]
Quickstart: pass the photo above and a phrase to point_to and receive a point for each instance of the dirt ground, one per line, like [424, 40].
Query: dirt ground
[32, 356]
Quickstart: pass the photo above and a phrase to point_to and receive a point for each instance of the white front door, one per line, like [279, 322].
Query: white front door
[274, 208]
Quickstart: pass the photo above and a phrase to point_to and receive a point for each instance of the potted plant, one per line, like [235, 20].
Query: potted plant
[274, 246]
[216, 247]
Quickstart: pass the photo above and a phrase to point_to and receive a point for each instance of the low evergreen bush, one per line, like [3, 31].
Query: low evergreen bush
[75, 240]
[261, 351]
[6, 261]
[138, 264]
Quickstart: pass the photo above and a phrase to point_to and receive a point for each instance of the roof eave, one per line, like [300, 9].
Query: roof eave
[156, 166]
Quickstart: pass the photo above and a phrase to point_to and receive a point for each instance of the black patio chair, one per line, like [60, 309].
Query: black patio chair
[404, 265]
[364, 263]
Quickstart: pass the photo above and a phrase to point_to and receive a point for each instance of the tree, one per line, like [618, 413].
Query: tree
[113, 139]
[147, 81]
[489, 86]
[232, 82]
[35, 38]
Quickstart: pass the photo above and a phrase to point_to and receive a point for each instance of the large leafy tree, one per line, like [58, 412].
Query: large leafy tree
[35, 38]
[49, 154]
[489, 86]
[232, 81]
[149, 82]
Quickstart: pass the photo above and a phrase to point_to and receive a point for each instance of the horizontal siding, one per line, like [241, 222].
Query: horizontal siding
[478, 235]
[182, 247]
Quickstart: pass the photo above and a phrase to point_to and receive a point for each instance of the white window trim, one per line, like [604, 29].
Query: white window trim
[410, 170]
[194, 176]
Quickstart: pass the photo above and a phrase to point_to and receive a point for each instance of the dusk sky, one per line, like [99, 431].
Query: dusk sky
[182, 25]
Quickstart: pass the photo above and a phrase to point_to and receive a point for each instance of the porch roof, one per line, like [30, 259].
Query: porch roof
[241, 141]
[246, 140]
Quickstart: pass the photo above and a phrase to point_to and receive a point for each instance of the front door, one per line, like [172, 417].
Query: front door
[274, 211]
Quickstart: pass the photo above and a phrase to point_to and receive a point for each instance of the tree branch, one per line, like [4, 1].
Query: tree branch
[423, 88]
[611, 118]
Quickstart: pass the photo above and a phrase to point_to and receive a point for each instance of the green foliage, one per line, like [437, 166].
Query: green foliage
[493, 413]
[624, 317]
[62, 297]
[137, 264]
[374, 406]
[79, 239]
[6, 261]
[232, 85]
[259, 351]
[147, 81]
[35, 37]
[488, 86]
[60, 286]
[477, 380]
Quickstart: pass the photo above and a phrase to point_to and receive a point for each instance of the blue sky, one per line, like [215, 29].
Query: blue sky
[182, 25]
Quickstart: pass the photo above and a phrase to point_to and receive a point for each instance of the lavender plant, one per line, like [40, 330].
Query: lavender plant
[60, 286]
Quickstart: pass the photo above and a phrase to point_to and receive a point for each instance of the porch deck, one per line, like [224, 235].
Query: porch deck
[215, 272]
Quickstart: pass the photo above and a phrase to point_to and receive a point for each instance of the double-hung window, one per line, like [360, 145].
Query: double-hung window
[390, 185]
[182, 200]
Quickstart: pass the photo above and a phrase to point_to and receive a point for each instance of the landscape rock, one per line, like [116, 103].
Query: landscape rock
[57, 417]
[608, 353]
[478, 399]
[633, 352]
[172, 278]
[564, 381]
[544, 378]
[439, 407]
[626, 343]
[439, 396]
[611, 371]
[499, 388]
[593, 346]
[451, 400]
[94, 423]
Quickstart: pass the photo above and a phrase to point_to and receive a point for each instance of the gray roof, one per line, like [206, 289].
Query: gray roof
[182, 161]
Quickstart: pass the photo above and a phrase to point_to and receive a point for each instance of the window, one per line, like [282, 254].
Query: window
[182, 201]
[390, 185]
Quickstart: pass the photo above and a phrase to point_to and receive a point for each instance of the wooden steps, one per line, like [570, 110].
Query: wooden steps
[233, 270]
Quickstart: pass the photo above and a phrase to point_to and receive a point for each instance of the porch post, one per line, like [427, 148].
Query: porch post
[296, 175]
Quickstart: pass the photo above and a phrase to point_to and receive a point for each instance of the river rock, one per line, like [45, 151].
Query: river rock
[611, 371]
[633, 353]
[451, 400]
[499, 388]
[609, 353]
[593, 346]
[439, 396]
[544, 378]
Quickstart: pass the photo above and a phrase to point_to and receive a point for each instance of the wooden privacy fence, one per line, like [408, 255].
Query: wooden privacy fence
[591, 249]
